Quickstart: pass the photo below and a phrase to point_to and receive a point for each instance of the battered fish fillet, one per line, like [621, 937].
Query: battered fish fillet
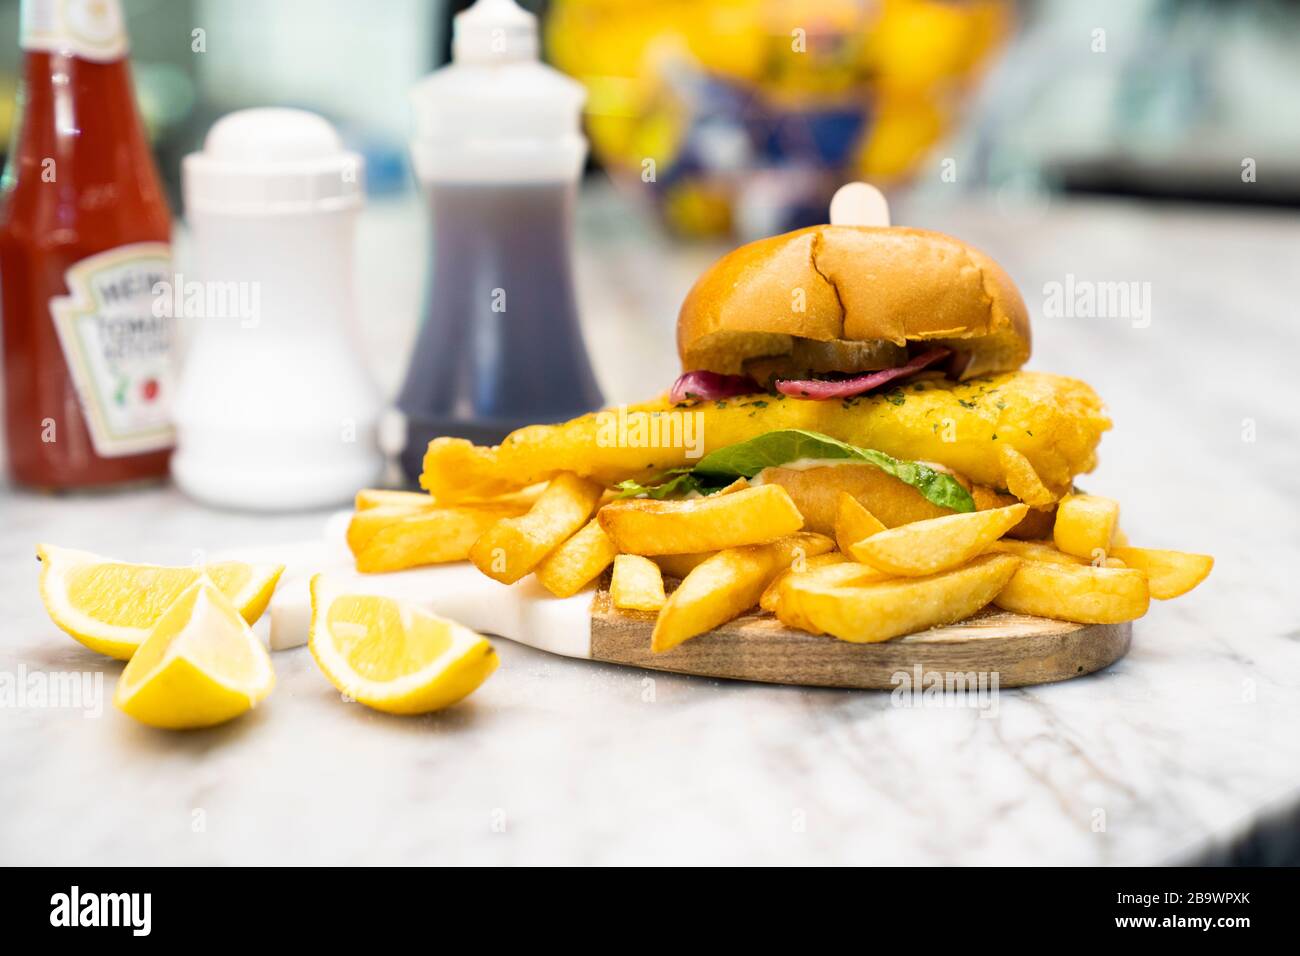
[988, 429]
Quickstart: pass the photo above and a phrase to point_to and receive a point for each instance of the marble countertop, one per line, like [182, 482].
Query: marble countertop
[1185, 750]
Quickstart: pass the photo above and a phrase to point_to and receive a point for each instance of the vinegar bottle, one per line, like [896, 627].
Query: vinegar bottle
[498, 151]
[84, 240]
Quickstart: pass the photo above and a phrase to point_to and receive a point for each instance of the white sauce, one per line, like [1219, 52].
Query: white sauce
[804, 464]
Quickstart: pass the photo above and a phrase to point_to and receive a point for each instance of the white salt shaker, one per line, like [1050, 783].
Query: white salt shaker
[275, 409]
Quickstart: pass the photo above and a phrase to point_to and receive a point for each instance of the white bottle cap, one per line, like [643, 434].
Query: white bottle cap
[496, 114]
[272, 161]
[494, 31]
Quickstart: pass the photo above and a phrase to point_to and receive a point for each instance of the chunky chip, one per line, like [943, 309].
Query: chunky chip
[749, 516]
[513, 547]
[384, 498]
[938, 544]
[436, 536]
[726, 585]
[1170, 574]
[879, 610]
[834, 568]
[578, 561]
[636, 584]
[1085, 525]
[1080, 593]
[853, 522]
[680, 565]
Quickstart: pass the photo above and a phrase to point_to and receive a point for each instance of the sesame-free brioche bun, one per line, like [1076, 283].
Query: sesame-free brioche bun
[863, 291]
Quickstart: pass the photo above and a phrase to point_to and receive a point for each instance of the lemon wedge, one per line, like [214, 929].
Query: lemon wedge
[111, 606]
[393, 656]
[200, 665]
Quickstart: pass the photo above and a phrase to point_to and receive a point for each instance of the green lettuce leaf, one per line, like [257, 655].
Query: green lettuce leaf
[673, 484]
[746, 459]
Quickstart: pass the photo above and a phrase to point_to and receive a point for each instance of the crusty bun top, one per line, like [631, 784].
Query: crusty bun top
[853, 284]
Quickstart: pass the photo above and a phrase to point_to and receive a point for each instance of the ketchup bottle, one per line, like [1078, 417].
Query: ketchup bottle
[84, 239]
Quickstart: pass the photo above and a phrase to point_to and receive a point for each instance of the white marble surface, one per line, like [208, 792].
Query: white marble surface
[1184, 745]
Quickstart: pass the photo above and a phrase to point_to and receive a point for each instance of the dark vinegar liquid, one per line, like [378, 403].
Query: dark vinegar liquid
[500, 346]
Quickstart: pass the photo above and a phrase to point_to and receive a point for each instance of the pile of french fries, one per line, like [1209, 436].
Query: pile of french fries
[746, 547]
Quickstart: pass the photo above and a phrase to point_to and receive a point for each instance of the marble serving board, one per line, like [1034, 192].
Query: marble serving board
[1021, 650]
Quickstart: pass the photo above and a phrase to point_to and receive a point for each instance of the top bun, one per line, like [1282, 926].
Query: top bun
[844, 284]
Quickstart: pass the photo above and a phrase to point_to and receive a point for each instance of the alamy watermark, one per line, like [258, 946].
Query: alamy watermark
[1085, 299]
[621, 428]
[179, 298]
[54, 690]
[919, 688]
[133, 911]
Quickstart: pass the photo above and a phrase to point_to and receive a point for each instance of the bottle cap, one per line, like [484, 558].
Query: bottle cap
[272, 161]
[494, 31]
[496, 113]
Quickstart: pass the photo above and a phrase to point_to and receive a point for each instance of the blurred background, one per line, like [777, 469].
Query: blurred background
[752, 110]
[717, 121]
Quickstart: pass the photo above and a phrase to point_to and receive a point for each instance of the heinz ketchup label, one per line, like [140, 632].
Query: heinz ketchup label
[90, 29]
[88, 365]
[120, 355]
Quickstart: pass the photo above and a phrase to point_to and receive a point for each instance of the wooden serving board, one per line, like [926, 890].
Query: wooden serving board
[1021, 650]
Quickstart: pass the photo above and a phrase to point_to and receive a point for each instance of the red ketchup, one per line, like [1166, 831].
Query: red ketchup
[84, 238]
